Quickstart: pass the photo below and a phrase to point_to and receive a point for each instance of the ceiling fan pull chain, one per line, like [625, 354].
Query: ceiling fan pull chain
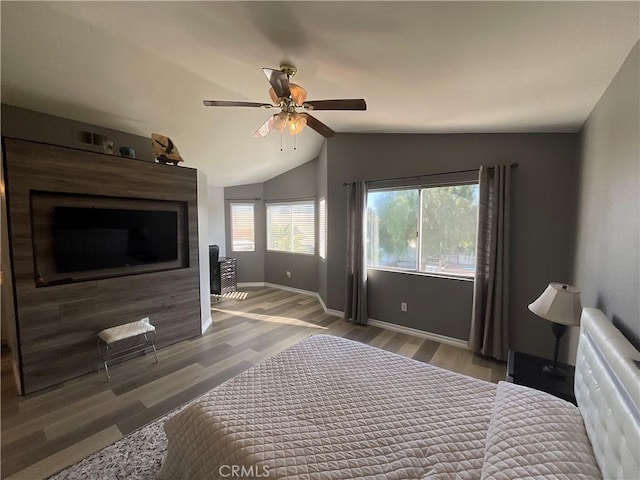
[281, 141]
[294, 142]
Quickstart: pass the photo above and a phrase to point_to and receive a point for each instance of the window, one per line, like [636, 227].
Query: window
[322, 228]
[242, 234]
[430, 230]
[291, 227]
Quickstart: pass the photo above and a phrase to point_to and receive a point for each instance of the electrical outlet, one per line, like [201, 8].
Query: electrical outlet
[288, 274]
[403, 306]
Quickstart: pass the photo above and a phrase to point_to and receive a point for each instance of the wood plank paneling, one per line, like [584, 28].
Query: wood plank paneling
[57, 325]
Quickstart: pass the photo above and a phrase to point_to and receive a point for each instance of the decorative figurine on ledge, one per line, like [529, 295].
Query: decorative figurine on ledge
[164, 150]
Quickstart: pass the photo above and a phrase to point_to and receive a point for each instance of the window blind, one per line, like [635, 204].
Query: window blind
[291, 227]
[322, 228]
[242, 229]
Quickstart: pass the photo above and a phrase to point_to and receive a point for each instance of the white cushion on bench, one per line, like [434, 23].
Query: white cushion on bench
[128, 330]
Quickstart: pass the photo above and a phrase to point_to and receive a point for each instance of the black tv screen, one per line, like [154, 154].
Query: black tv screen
[99, 238]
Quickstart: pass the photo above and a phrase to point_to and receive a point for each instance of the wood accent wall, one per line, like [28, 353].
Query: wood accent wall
[57, 325]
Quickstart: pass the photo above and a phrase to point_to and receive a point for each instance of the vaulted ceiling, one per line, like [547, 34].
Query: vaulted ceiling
[423, 67]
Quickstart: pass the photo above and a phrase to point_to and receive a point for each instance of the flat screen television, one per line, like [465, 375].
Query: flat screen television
[100, 238]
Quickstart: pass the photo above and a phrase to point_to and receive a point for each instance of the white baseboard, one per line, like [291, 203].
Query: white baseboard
[456, 342]
[290, 289]
[207, 324]
[329, 311]
[250, 284]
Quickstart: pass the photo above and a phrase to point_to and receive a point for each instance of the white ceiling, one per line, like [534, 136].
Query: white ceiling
[145, 67]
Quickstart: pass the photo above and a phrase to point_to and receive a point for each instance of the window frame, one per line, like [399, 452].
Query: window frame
[417, 271]
[322, 228]
[311, 202]
[253, 227]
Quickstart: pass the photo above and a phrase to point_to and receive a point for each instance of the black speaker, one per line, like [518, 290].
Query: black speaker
[214, 270]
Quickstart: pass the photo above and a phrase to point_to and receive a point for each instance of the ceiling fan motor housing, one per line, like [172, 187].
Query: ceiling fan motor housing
[290, 70]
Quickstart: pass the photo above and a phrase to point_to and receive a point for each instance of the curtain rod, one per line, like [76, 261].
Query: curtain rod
[513, 165]
[284, 200]
[270, 200]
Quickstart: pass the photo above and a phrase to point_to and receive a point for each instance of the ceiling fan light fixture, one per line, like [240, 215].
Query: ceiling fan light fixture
[298, 94]
[296, 123]
[280, 121]
[289, 97]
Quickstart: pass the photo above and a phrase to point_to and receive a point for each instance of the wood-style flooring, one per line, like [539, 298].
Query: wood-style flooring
[49, 430]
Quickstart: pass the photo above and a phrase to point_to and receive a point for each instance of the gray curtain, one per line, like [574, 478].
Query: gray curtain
[356, 281]
[489, 333]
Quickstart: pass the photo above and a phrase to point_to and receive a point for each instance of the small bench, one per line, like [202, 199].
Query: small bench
[109, 337]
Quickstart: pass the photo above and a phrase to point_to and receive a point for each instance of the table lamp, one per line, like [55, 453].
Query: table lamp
[560, 304]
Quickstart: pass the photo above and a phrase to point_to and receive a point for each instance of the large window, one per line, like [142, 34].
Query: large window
[242, 231]
[291, 227]
[322, 228]
[430, 230]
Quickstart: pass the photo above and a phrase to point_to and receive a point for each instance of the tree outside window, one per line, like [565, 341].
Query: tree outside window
[431, 230]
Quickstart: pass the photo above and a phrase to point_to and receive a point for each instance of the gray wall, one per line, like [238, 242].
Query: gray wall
[322, 192]
[544, 196]
[41, 127]
[203, 251]
[436, 305]
[250, 264]
[217, 235]
[300, 183]
[607, 262]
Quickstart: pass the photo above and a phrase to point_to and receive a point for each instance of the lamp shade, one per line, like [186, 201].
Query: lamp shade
[280, 121]
[559, 303]
[296, 123]
[298, 95]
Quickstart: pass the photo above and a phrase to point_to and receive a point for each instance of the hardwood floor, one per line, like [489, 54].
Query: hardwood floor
[46, 431]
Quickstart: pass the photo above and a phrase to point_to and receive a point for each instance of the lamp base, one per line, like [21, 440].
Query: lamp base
[552, 371]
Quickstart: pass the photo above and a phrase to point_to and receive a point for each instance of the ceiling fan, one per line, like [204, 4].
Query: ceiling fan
[289, 97]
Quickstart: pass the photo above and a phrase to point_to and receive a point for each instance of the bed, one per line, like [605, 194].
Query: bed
[330, 408]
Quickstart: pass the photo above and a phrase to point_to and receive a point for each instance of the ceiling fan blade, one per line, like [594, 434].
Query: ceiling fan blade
[318, 126]
[346, 104]
[279, 81]
[224, 103]
[265, 128]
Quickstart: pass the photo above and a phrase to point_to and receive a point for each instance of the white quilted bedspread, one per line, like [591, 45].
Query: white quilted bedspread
[330, 408]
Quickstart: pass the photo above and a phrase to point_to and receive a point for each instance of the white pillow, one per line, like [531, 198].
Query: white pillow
[535, 435]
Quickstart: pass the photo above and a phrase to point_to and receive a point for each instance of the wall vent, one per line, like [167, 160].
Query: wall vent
[91, 138]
